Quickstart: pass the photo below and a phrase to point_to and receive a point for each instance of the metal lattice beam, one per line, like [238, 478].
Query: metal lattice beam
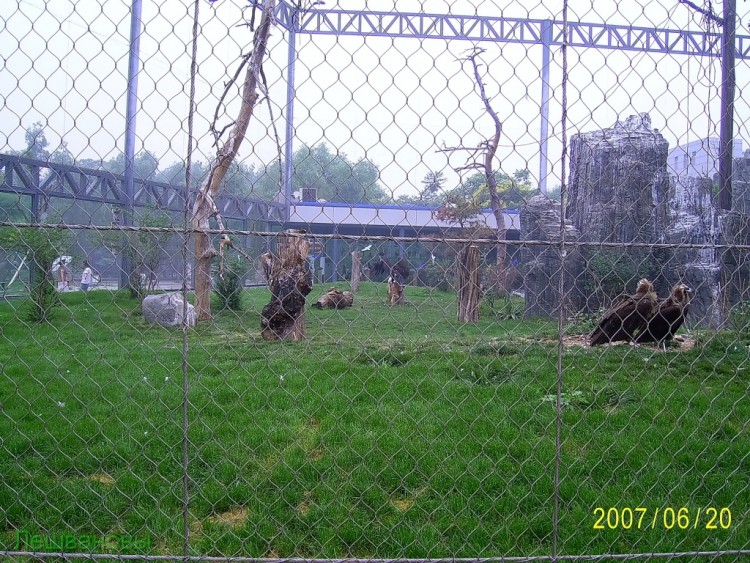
[25, 176]
[505, 30]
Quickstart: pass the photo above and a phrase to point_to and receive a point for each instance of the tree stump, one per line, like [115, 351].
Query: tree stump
[468, 284]
[356, 270]
[395, 291]
[334, 298]
[289, 278]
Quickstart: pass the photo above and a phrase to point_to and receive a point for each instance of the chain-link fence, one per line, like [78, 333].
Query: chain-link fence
[458, 280]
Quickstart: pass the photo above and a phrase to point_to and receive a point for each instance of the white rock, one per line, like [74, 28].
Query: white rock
[166, 309]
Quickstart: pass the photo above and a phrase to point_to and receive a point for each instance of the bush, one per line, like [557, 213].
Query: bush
[41, 246]
[144, 250]
[614, 271]
[439, 275]
[229, 289]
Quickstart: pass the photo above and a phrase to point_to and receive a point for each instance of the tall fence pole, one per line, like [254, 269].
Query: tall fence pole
[544, 132]
[130, 113]
[286, 178]
[726, 130]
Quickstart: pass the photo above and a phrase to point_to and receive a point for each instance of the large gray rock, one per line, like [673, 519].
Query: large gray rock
[618, 178]
[540, 221]
[166, 309]
[693, 220]
[619, 189]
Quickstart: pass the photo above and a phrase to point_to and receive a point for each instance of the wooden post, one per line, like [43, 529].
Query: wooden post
[356, 270]
[468, 284]
[289, 278]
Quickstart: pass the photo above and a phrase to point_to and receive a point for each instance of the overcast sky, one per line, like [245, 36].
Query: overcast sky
[394, 101]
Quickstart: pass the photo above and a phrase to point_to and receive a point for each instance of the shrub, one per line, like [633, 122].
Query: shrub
[41, 246]
[438, 274]
[229, 288]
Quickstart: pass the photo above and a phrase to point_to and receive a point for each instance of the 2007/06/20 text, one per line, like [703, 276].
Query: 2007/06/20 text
[668, 518]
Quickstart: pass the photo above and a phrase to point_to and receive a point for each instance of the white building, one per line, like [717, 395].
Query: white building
[699, 158]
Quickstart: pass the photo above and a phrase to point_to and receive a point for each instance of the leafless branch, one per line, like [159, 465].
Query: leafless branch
[708, 14]
[227, 87]
[264, 88]
[471, 166]
[455, 149]
[204, 207]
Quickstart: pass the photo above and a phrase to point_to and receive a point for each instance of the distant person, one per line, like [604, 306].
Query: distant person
[87, 277]
[63, 283]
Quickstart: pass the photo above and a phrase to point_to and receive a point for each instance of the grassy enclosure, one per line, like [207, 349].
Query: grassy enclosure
[390, 432]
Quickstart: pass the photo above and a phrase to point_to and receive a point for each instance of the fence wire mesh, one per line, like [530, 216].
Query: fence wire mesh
[474, 283]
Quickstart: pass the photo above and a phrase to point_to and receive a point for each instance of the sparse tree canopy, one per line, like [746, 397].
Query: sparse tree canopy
[433, 182]
[513, 192]
[336, 178]
[36, 142]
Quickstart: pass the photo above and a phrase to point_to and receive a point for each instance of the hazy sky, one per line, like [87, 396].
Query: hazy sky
[394, 101]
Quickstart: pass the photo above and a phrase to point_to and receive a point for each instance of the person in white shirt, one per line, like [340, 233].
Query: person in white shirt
[87, 278]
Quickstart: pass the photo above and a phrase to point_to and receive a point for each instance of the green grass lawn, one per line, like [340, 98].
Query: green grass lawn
[389, 432]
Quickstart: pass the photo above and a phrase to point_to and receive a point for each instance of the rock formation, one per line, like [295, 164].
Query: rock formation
[692, 220]
[540, 221]
[167, 309]
[618, 190]
[618, 177]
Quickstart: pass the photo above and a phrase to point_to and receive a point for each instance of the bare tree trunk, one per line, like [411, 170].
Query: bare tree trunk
[356, 270]
[289, 278]
[468, 284]
[205, 207]
[489, 155]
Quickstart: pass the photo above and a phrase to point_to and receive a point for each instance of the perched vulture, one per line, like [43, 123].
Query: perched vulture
[668, 317]
[626, 318]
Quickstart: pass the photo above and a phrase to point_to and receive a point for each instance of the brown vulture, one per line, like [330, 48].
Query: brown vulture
[630, 314]
[668, 317]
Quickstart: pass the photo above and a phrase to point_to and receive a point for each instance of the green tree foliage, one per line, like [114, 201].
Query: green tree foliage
[62, 155]
[514, 191]
[145, 165]
[432, 194]
[433, 182]
[36, 142]
[144, 250]
[229, 287]
[336, 178]
[15, 207]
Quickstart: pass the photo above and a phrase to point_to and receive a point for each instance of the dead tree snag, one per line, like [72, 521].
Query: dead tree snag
[289, 278]
[468, 284]
[204, 207]
[356, 270]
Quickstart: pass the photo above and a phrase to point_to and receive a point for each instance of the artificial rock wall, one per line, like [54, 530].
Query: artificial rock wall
[618, 177]
[545, 264]
[735, 226]
[620, 192]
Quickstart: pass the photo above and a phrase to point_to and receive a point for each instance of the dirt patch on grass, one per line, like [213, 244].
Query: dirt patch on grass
[234, 517]
[681, 343]
[103, 478]
[303, 508]
[316, 455]
[403, 504]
